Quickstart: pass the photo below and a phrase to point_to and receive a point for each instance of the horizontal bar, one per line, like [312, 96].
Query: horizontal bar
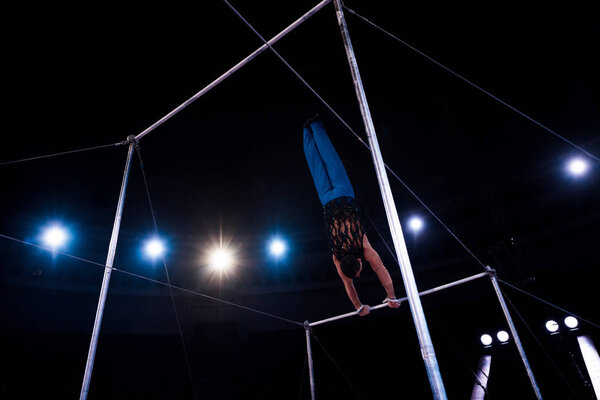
[429, 291]
[233, 69]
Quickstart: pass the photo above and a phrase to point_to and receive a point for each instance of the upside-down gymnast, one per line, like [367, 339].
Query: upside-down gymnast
[345, 234]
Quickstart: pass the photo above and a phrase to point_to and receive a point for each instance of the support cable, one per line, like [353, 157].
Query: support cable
[351, 130]
[548, 303]
[164, 262]
[336, 365]
[499, 280]
[474, 85]
[539, 344]
[233, 69]
[296, 73]
[134, 275]
[302, 377]
[387, 246]
[434, 215]
[63, 153]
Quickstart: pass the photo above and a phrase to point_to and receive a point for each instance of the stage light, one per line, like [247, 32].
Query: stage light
[502, 336]
[221, 260]
[591, 360]
[571, 322]
[55, 236]
[552, 326]
[483, 373]
[486, 339]
[577, 166]
[154, 248]
[415, 224]
[277, 247]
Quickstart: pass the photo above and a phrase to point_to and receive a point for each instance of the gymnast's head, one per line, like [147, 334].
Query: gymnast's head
[351, 266]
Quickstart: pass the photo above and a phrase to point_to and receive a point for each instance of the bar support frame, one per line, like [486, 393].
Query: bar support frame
[513, 330]
[112, 247]
[311, 369]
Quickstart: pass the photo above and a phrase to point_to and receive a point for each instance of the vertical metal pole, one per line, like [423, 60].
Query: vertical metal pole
[107, 271]
[311, 371]
[511, 325]
[416, 308]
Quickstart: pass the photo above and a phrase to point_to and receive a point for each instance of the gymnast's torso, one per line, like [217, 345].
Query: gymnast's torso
[343, 227]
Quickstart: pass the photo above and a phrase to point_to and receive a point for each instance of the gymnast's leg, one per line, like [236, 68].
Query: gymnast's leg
[326, 168]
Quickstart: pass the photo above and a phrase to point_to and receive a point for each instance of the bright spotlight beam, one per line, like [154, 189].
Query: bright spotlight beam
[154, 248]
[502, 336]
[277, 247]
[571, 322]
[415, 224]
[221, 260]
[552, 326]
[577, 167]
[55, 237]
[486, 339]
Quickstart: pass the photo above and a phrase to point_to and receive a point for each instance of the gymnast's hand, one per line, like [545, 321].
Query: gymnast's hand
[392, 303]
[363, 310]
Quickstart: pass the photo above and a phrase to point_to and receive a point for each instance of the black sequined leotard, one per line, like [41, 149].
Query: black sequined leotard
[343, 227]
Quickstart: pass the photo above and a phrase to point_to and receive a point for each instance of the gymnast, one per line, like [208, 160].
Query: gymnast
[345, 234]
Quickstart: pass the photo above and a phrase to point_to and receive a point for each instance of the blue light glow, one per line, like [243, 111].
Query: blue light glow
[415, 224]
[277, 247]
[55, 236]
[154, 248]
[578, 166]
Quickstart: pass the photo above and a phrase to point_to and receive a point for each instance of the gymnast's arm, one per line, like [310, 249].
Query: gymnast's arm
[350, 290]
[380, 270]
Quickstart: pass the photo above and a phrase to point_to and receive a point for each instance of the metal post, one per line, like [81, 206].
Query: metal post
[511, 325]
[107, 271]
[416, 308]
[311, 371]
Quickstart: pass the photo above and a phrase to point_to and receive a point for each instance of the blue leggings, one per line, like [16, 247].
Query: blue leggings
[326, 168]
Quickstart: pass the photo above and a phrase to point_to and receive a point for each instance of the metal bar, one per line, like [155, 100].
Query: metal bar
[429, 291]
[112, 247]
[513, 330]
[233, 69]
[416, 308]
[311, 371]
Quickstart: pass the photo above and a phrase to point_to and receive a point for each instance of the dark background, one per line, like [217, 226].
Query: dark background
[231, 166]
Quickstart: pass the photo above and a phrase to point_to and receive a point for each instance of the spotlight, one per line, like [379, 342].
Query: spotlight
[571, 322]
[486, 339]
[552, 326]
[277, 247]
[221, 260]
[55, 236]
[502, 336]
[577, 166]
[154, 248]
[415, 224]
